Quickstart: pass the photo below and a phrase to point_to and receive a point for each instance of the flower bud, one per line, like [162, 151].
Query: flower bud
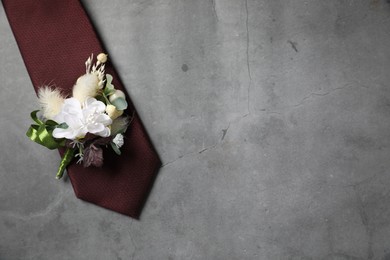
[117, 94]
[102, 57]
[112, 112]
[118, 140]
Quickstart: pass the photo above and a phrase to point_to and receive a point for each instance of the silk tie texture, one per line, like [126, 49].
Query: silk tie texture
[55, 37]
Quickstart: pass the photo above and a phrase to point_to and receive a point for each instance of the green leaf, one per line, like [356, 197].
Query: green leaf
[101, 98]
[108, 92]
[115, 148]
[119, 103]
[109, 85]
[109, 79]
[109, 88]
[35, 117]
[51, 123]
[63, 125]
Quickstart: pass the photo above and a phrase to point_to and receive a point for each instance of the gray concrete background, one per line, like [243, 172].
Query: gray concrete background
[272, 119]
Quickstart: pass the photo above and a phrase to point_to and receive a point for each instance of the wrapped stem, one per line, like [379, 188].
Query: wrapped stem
[68, 156]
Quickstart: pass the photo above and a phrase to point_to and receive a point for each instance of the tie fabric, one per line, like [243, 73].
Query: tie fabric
[55, 37]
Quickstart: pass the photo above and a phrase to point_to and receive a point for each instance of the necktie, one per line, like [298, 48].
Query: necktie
[55, 37]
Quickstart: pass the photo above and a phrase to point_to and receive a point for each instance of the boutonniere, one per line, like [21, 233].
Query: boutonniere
[84, 123]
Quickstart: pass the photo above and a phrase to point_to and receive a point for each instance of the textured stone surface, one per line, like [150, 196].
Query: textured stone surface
[271, 118]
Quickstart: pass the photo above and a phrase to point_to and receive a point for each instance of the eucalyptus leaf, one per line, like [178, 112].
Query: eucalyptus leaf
[35, 117]
[108, 91]
[119, 103]
[108, 82]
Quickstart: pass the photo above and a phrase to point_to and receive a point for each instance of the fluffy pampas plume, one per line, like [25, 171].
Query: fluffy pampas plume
[50, 100]
[86, 86]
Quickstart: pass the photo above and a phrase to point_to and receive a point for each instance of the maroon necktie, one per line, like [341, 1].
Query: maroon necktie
[55, 37]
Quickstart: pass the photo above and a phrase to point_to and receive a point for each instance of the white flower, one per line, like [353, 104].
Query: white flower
[118, 140]
[82, 119]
